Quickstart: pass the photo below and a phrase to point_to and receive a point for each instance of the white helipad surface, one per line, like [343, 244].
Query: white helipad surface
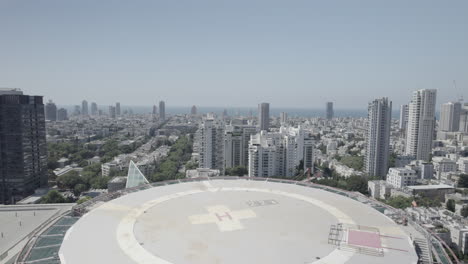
[228, 221]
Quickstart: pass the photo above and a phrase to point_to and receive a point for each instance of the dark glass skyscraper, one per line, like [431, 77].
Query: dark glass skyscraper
[23, 149]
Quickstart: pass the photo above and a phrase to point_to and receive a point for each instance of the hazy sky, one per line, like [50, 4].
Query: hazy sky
[234, 53]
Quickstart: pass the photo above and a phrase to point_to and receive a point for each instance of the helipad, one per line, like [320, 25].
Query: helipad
[235, 221]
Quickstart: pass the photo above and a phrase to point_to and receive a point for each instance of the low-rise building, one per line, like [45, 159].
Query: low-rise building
[401, 177]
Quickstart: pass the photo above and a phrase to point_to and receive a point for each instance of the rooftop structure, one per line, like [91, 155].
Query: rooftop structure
[232, 220]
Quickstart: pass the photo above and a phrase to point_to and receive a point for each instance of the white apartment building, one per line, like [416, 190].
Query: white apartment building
[463, 165]
[279, 153]
[210, 143]
[442, 164]
[401, 177]
[421, 121]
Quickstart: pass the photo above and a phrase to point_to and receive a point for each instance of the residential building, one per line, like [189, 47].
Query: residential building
[450, 117]
[62, 114]
[162, 110]
[210, 138]
[264, 116]
[94, 109]
[112, 112]
[421, 121]
[329, 111]
[193, 110]
[463, 165]
[404, 110]
[84, 108]
[283, 118]
[464, 119]
[378, 137]
[401, 177]
[280, 153]
[23, 155]
[117, 109]
[51, 111]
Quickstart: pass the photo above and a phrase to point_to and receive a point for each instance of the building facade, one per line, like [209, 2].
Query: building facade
[51, 111]
[404, 110]
[94, 109]
[162, 110]
[450, 117]
[329, 111]
[62, 114]
[117, 109]
[280, 153]
[23, 147]
[264, 116]
[84, 108]
[210, 141]
[401, 177]
[421, 122]
[378, 137]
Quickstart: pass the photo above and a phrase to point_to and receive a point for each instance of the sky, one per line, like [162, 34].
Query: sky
[235, 53]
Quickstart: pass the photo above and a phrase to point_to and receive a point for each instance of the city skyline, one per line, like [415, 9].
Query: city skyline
[288, 54]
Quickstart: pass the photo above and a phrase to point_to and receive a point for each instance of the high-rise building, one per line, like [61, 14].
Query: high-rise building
[94, 109]
[117, 109]
[62, 114]
[23, 147]
[403, 117]
[236, 144]
[233, 149]
[378, 137]
[264, 116]
[450, 117]
[193, 111]
[51, 111]
[77, 110]
[162, 110]
[283, 118]
[210, 140]
[84, 108]
[280, 153]
[329, 110]
[464, 119]
[421, 122]
[112, 111]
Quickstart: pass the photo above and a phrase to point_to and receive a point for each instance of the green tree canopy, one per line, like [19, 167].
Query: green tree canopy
[69, 180]
[53, 197]
[236, 171]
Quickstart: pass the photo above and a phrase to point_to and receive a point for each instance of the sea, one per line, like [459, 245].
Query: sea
[244, 111]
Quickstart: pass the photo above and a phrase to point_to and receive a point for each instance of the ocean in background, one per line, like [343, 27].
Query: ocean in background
[244, 111]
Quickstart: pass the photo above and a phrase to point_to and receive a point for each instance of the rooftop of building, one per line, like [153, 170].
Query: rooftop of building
[235, 220]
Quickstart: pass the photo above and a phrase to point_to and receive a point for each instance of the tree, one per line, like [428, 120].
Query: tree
[400, 202]
[357, 184]
[99, 182]
[79, 188]
[237, 171]
[463, 181]
[53, 197]
[464, 211]
[450, 205]
[69, 180]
